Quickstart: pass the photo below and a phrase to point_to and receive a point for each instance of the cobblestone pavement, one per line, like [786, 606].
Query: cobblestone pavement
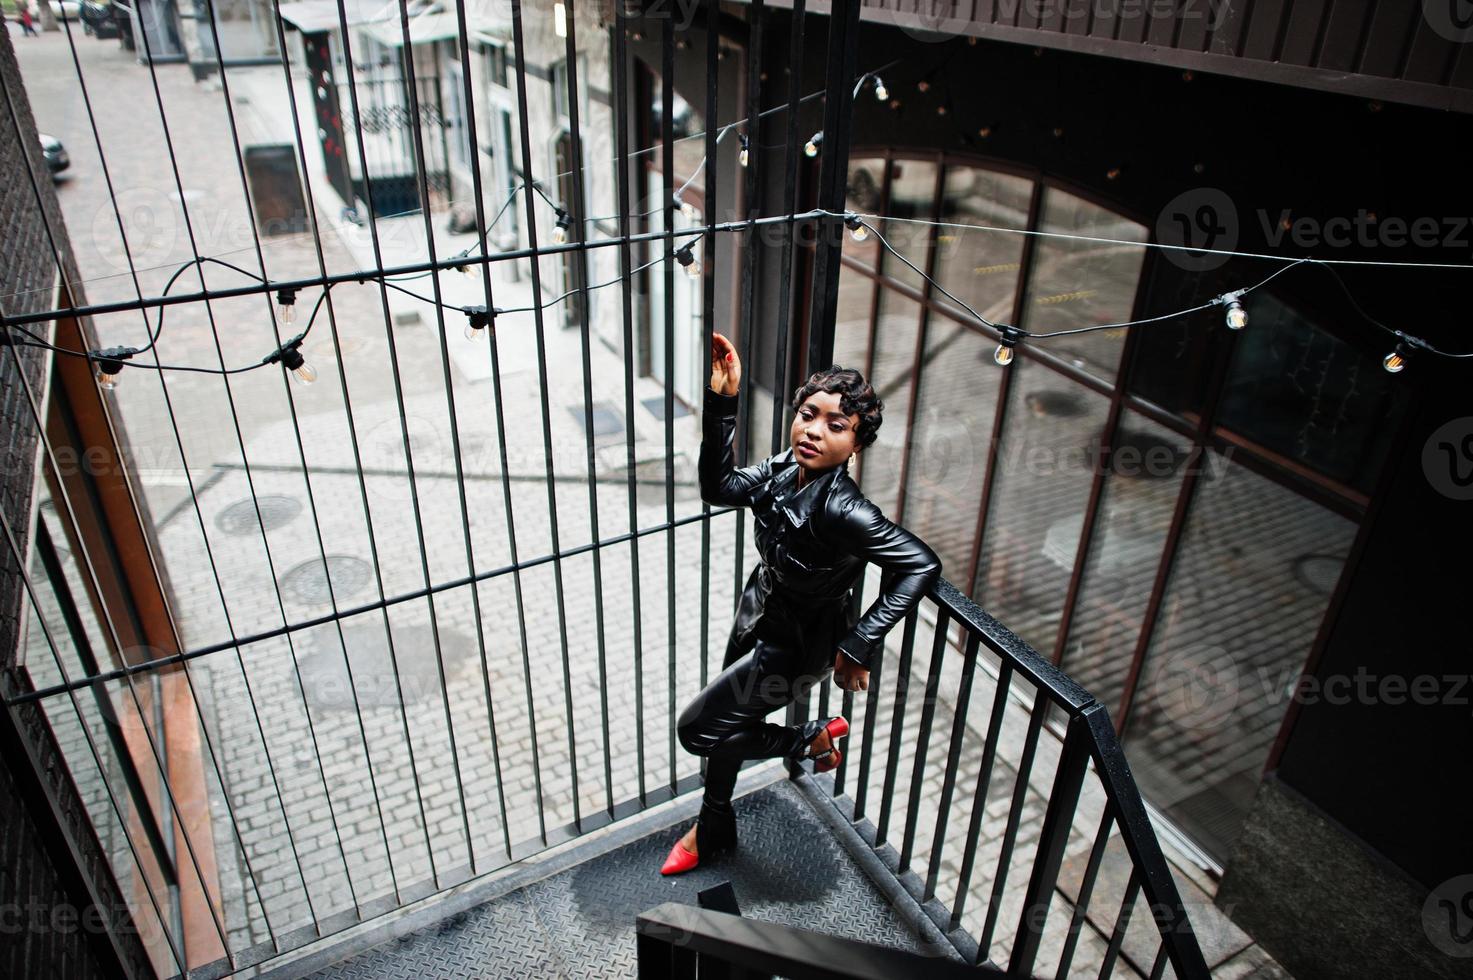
[330, 792]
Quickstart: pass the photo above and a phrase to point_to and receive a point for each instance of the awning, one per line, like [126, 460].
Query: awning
[380, 19]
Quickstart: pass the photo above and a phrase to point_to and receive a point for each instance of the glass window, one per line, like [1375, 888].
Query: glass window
[1042, 481]
[912, 195]
[1076, 283]
[980, 268]
[1145, 467]
[1296, 390]
[891, 375]
[952, 433]
[1250, 585]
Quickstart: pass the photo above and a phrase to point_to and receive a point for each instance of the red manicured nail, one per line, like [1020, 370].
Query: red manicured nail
[728, 356]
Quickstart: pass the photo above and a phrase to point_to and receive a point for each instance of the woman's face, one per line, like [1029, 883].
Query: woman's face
[823, 437]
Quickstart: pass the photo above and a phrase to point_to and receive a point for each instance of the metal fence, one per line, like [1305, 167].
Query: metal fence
[320, 759]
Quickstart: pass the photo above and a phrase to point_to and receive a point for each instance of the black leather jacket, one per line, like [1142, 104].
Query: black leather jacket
[814, 543]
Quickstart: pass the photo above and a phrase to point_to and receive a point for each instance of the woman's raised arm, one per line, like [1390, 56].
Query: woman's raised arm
[722, 481]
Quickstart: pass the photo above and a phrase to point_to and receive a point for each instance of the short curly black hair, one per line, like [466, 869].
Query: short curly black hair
[856, 397]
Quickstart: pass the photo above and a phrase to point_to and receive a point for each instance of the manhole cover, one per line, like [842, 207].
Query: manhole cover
[325, 677]
[240, 517]
[308, 581]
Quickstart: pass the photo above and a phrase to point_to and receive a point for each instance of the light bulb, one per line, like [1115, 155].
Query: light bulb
[559, 235]
[1396, 361]
[689, 210]
[107, 378]
[286, 305]
[465, 267]
[814, 142]
[857, 230]
[693, 269]
[109, 365]
[882, 94]
[1237, 317]
[742, 156]
[472, 332]
[305, 373]
[1003, 355]
[291, 359]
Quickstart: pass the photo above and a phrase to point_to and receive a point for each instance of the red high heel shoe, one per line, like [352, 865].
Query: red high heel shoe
[829, 758]
[715, 835]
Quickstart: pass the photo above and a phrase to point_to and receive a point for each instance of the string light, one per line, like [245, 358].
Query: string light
[477, 318]
[110, 364]
[743, 154]
[1396, 361]
[286, 304]
[814, 142]
[688, 261]
[688, 209]
[882, 94]
[1236, 317]
[560, 229]
[856, 228]
[1004, 353]
[290, 357]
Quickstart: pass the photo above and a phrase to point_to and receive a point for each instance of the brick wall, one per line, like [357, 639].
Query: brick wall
[51, 865]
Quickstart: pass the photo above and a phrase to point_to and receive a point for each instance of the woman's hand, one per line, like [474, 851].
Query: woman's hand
[849, 675]
[726, 366]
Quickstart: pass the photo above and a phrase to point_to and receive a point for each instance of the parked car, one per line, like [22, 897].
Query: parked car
[70, 9]
[55, 154]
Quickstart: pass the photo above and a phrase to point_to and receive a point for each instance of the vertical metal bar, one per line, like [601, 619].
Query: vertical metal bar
[301, 450]
[1077, 920]
[838, 124]
[784, 325]
[160, 852]
[1158, 968]
[897, 727]
[872, 708]
[421, 171]
[519, 40]
[72, 619]
[984, 783]
[1097, 484]
[1015, 816]
[708, 290]
[1053, 838]
[1122, 923]
[1004, 389]
[753, 186]
[584, 314]
[953, 762]
[622, 165]
[922, 744]
[347, 396]
[478, 192]
[918, 360]
[667, 219]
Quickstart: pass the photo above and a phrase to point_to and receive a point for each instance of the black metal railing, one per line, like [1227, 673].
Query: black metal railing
[1024, 685]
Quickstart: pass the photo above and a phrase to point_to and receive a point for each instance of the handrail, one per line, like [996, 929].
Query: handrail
[672, 937]
[1089, 738]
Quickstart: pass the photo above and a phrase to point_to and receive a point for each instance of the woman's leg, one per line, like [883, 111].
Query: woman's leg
[725, 720]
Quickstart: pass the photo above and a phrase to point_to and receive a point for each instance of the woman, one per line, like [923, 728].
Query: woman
[795, 620]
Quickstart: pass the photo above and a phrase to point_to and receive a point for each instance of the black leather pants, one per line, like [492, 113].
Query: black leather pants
[724, 722]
